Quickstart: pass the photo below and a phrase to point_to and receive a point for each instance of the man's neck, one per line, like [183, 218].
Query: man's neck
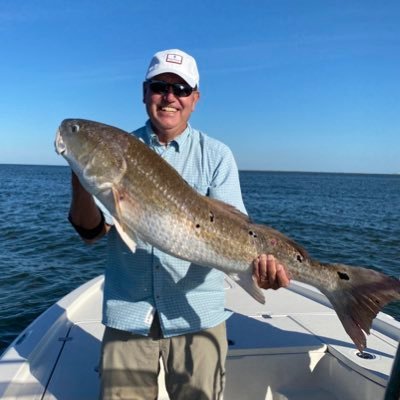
[166, 136]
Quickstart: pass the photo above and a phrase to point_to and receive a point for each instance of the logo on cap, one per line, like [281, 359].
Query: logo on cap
[174, 58]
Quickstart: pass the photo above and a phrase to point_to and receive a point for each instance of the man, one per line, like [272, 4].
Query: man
[156, 305]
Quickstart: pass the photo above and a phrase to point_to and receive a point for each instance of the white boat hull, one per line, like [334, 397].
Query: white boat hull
[293, 347]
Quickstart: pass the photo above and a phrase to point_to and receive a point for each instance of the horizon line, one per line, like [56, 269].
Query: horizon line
[240, 170]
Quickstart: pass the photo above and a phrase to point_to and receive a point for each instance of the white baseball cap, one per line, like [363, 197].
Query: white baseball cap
[176, 62]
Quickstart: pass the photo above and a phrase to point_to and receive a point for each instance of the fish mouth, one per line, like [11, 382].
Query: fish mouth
[59, 143]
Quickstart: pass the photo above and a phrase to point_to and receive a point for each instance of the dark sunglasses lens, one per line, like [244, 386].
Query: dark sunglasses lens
[178, 89]
[159, 87]
[182, 90]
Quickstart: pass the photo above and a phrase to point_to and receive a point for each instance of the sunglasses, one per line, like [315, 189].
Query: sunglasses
[178, 89]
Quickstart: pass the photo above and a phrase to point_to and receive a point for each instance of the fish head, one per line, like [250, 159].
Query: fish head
[96, 152]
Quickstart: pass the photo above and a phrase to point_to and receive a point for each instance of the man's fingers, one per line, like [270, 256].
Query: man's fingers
[281, 276]
[269, 273]
[271, 269]
[262, 267]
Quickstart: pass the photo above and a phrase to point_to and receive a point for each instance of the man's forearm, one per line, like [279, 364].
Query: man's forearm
[84, 214]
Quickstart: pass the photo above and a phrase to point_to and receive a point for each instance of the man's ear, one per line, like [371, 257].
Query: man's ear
[196, 98]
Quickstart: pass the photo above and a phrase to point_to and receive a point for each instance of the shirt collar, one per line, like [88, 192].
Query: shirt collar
[152, 138]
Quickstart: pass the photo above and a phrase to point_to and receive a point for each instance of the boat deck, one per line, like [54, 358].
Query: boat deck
[293, 347]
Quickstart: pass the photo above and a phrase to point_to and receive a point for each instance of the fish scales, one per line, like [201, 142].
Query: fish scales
[149, 200]
[182, 222]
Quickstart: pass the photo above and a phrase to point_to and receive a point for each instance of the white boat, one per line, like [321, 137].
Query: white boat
[293, 347]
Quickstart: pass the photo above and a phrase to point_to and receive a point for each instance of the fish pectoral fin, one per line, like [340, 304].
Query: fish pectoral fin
[248, 282]
[125, 236]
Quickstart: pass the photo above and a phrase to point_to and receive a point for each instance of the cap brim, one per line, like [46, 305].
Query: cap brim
[191, 82]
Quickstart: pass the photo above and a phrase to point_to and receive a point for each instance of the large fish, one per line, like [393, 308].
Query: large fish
[149, 200]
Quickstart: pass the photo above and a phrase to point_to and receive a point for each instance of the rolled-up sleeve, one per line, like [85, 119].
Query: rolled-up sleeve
[225, 185]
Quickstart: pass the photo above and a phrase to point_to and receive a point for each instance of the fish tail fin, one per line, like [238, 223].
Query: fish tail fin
[248, 282]
[357, 297]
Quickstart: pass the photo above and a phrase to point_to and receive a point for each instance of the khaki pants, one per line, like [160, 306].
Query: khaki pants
[194, 364]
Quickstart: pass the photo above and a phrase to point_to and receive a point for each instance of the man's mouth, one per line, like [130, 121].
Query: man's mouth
[168, 109]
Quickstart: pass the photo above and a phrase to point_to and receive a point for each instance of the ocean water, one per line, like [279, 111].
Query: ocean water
[349, 218]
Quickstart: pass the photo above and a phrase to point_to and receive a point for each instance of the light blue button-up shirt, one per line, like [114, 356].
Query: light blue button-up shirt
[187, 297]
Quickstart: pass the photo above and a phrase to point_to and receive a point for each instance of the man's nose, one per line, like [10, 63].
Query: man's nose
[169, 96]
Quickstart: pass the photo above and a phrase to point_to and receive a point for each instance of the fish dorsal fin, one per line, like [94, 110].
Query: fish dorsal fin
[300, 249]
[219, 204]
[280, 236]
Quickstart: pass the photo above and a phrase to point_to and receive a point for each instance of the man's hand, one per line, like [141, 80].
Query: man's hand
[269, 273]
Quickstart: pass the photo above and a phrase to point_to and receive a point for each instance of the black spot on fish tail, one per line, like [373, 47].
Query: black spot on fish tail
[299, 258]
[251, 233]
[358, 297]
[197, 226]
[343, 275]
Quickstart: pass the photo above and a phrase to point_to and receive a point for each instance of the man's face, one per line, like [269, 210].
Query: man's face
[168, 113]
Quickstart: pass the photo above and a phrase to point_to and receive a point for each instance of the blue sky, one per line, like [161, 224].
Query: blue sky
[293, 85]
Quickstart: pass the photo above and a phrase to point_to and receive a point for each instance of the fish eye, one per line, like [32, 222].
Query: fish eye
[75, 128]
